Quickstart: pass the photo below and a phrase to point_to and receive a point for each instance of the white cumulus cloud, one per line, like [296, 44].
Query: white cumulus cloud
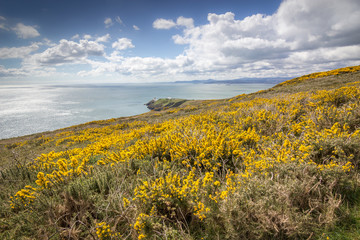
[186, 22]
[24, 31]
[18, 52]
[104, 38]
[122, 44]
[312, 24]
[300, 37]
[87, 36]
[3, 25]
[67, 52]
[108, 22]
[296, 29]
[161, 23]
[181, 21]
[76, 36]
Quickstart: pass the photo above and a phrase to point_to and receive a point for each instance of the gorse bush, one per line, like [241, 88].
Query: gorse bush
[321, 74]
[264, 168]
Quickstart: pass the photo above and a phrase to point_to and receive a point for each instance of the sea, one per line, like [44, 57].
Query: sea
[28, 109]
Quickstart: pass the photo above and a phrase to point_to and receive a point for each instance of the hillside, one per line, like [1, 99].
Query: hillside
[282, 163]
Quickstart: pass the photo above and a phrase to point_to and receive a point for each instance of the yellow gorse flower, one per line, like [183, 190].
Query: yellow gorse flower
[216, 151]
[104, 232]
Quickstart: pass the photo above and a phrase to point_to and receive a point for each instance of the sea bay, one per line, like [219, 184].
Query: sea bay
[28, 109]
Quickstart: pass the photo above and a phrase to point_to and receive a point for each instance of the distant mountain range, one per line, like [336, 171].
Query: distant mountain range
[237, 81]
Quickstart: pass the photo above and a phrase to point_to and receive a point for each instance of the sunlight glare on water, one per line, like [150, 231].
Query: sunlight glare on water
[38, 108]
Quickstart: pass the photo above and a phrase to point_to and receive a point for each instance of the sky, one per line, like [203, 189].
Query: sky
[122, 41]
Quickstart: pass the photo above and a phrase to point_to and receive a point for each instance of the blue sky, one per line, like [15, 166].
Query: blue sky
[152, 41]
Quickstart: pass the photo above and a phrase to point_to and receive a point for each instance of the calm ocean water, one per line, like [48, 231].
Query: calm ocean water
[30, 109]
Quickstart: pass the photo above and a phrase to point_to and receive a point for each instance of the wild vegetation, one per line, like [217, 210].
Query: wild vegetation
[278, 164]
[164, 103]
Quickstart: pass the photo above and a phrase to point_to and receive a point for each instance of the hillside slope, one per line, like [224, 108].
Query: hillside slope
[282, 163]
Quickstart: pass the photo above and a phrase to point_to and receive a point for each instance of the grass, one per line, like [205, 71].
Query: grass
[282, 163]
[165, 103]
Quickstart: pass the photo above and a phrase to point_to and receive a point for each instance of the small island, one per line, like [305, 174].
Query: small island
[164, 103]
